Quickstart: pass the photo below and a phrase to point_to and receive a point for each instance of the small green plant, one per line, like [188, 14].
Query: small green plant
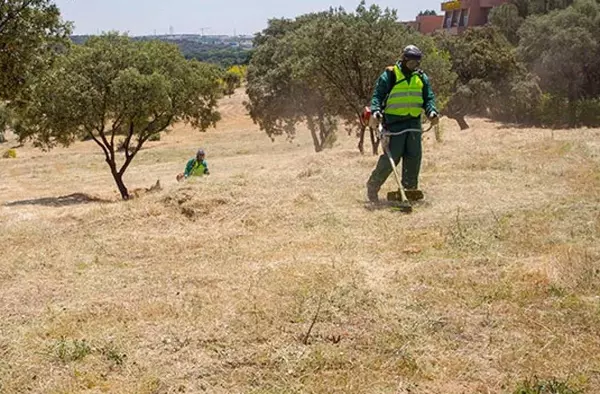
[154, 137]
[112, 354]
[540, 386]
[10, 154]
[556, 291]
[75, 350]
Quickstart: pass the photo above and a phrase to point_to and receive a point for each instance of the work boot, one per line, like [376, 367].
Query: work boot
[414, 194]
[372, 193]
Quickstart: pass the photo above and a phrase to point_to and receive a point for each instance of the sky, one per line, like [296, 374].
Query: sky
[146, 17]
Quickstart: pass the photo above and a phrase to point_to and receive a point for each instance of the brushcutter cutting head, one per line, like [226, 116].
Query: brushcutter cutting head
[395, 197]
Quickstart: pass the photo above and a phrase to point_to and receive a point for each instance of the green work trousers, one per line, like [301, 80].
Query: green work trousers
[407, 147]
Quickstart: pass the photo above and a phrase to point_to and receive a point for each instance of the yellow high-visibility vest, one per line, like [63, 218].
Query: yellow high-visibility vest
[406, 97]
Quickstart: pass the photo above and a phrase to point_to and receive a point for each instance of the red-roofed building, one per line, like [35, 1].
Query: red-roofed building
[461, 14]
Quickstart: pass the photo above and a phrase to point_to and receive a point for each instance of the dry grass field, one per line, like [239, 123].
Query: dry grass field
[491, 286]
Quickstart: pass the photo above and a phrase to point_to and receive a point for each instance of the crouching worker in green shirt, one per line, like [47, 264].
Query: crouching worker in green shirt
[196, 166]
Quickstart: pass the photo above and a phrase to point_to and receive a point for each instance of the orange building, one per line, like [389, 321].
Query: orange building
[461, 14]
[426, 24]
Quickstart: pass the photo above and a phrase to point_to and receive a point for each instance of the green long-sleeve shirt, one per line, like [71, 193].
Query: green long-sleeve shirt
[384, 86]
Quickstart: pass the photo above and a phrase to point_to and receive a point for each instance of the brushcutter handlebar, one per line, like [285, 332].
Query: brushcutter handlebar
[375, 120]
[385, 133]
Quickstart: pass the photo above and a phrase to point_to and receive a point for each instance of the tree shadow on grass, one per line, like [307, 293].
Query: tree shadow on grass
[62, 201]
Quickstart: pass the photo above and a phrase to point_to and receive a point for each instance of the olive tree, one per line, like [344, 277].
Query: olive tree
[119, 93]
[491, 81]
[279, 98]
[563, 48]
[31, 34]
[323, 67]
[508, 21]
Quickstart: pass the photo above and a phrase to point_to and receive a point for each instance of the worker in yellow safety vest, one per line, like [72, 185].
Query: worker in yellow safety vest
[402, 93]
[196, 166]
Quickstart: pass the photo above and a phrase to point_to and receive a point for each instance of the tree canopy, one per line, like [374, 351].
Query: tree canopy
[563, 48]
[488, 73]
[507, 20]
[535, 7]
[322, 67]
[119, 93]
[31, 32]
[537, 63]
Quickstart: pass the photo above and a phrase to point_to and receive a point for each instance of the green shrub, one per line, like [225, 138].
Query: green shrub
[540, 386]
[588, 112]
[154, 137]
[231, 81]
[6, 120]
[554, 111]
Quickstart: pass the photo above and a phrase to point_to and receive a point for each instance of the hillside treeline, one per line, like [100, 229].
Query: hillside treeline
[536, 63]
[222, 55]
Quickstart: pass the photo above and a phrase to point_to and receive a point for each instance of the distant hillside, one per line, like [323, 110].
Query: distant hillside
[224, 51]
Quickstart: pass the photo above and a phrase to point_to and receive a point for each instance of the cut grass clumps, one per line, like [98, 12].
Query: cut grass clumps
[112, 354]
[71, 350]
[474, 236]
[541, 386]
[309, 173]
[67, 351]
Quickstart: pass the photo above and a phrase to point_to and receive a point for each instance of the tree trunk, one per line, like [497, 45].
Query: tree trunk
[313, 132]
[462, 123]
[325, 130]
[322, 131]
[122, 188]
[118, 177]
[361, 140]
[374, 142]
[572, 106]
